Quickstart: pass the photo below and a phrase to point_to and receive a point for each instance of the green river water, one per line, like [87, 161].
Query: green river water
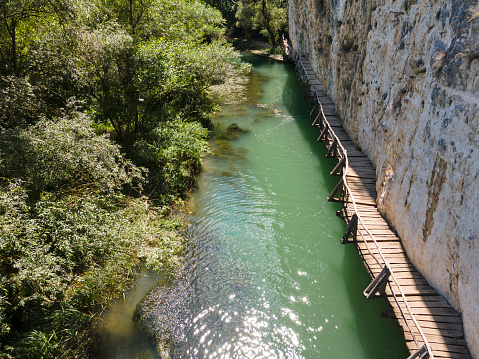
[267, 276]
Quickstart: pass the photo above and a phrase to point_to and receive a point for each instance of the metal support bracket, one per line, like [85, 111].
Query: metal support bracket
[332, 149]
[323, 134]
[351, 230]
[318, 118]
[378, 284]
[307, 92]
[339, 166]
[339, 186]
[421, 353]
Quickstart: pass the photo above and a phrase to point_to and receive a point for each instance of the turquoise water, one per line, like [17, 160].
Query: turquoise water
[270, 278]
[265, 275]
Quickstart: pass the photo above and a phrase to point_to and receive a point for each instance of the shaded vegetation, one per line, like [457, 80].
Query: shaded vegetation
[266, 16]
[104, 115]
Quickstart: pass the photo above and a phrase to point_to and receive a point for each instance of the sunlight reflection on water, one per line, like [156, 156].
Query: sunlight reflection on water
[265, 275]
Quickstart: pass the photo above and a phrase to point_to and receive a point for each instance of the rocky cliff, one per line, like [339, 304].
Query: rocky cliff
[405, 79]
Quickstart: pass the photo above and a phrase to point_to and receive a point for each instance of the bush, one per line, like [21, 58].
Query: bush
[19, 103]
[348, 45]
[64, 155]
[62, 261]
[174, 156]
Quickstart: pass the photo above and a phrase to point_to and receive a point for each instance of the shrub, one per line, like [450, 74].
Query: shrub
[64, 155]
[19, 103]
[174, 156]
[62, 261]
[348, 45]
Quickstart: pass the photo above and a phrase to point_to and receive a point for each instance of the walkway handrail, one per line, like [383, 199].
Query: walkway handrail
[297, 58]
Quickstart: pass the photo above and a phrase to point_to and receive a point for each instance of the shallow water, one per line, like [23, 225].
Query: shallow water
[266, 276]
[119, 336]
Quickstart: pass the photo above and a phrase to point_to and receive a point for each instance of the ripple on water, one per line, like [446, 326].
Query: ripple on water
[262, 277]
[218, 309]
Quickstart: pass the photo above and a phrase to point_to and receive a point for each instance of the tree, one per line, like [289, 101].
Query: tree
[164, 70]
[131, 14]
[268, 16]
[14, 12]
[19, 102]
[173, 153]
[245, 14]
[227, 8]
[66, 156]
[272, 19]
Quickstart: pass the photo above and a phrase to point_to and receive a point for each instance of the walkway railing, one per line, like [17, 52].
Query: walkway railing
[347, 198]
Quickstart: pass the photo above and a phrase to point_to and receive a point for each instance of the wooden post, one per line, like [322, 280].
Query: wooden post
[351, 230]
[378, 285]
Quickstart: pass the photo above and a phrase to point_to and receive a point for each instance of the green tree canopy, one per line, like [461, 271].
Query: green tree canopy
[16, 16]
[64, 155]
[267, 16]
[227, 8]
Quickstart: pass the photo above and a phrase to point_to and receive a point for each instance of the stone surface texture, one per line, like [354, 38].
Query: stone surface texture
[405, 79]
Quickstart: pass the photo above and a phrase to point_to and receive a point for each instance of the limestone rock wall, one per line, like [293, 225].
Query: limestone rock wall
[405, 79]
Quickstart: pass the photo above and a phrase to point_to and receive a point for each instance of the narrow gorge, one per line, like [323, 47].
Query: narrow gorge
[404, 76]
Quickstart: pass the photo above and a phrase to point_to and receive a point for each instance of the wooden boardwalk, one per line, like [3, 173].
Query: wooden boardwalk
[432, 328]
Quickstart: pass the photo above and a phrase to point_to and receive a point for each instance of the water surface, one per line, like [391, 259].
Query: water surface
[265, 275]
[270, 278]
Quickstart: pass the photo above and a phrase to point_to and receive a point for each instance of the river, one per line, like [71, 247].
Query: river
[266, 275]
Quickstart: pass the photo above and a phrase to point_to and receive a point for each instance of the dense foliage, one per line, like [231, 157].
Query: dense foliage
[266, 16]
[104, 106]
[227, 8]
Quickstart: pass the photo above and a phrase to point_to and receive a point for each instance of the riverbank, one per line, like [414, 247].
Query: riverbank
[258, 47]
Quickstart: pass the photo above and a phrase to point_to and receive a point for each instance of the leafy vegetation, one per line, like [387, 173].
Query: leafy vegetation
[173, 154]
[349, 45]
[266, 16]
[104, 110]
[64, 156]
[227, 8]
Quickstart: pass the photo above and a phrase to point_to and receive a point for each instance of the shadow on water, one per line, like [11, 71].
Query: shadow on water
[120, 338]
[300, 108]
[367, 312]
